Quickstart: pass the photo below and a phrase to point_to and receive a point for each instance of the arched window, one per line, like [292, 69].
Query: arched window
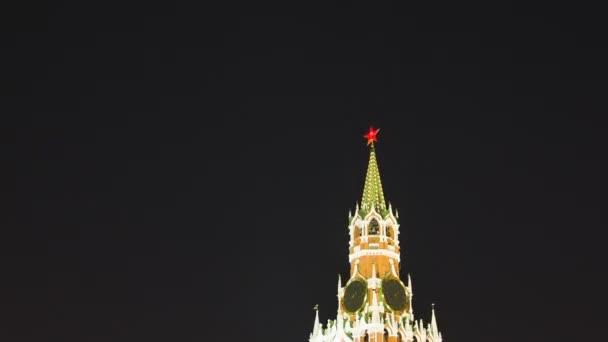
[385, 335]
[373, 227]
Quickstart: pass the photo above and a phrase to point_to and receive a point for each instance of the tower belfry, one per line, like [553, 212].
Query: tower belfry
[374, 304]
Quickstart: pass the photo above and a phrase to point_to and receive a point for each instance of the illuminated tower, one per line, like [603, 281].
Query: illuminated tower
[374, 305]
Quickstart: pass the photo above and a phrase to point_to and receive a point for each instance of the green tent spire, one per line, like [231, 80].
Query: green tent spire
[372, 191]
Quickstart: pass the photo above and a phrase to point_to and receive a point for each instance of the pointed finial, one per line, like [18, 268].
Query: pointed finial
[356, 270]
[393, 271]
[397, 213]
[434, 329]
[409, 282]
[316, 327]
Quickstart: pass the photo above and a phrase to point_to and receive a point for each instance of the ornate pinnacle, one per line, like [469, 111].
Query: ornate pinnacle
[434, 329]
[409, 282]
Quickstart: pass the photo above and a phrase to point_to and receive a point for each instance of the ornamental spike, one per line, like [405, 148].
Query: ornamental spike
[356, 270]
[409, 283]
[393, 271]
[340, 323]
[434, 329]
[317, 325]
[375, 314]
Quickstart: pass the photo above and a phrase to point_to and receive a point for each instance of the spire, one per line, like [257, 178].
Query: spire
[316, 327]
[434, 330]
[372, 191]
[409, 283]
[339, 288]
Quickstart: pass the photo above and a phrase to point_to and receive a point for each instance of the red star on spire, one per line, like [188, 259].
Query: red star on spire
[371, 135]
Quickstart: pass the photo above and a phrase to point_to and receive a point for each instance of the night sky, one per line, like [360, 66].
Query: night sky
[184, 172]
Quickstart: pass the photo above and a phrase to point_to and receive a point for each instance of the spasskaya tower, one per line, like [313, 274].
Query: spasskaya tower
[375, 305]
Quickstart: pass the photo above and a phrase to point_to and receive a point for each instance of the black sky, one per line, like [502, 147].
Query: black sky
[184, 171]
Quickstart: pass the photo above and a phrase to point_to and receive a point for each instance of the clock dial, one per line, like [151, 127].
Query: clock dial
[354, 295]
[394, 294]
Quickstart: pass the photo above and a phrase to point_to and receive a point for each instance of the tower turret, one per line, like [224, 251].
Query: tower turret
[374, 304]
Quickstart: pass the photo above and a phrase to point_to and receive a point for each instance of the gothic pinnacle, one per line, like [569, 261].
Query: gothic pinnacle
[315, 329]
[409, 283]
[434, 329]
[393, 271]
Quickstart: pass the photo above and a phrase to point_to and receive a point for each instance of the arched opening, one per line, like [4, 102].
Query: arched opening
[385, 339]
[374, 227]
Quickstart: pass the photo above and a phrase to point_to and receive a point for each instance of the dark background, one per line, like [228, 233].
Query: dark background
[184, 172]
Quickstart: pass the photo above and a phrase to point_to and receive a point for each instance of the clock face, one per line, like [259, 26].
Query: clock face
[354, 295]
[394, 294]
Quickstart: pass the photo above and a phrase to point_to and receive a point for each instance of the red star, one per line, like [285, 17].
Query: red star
[371, 135]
